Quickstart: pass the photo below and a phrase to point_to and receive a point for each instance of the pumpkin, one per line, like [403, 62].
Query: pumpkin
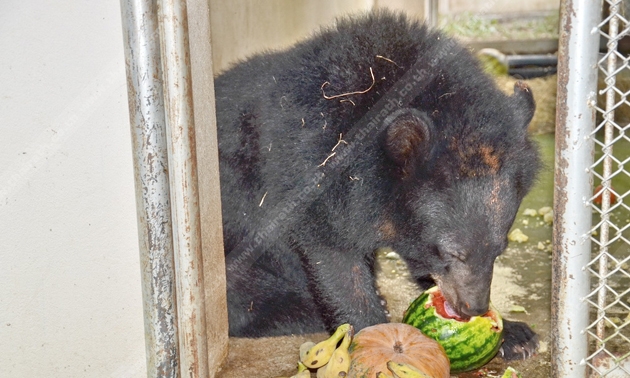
[373, 347]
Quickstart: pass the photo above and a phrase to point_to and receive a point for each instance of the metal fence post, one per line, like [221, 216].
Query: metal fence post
[180, 125]
[148, 130]
[575, 120]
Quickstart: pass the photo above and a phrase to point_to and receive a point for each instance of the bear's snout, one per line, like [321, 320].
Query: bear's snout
[473, 309]
[466, 300]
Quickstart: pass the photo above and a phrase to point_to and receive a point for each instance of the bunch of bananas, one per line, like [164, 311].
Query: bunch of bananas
[331, 359]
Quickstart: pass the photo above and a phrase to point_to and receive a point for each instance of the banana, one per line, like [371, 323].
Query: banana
[380, 374]
[405, 371]
[305, 348]
[319, 354]
[339, 362]
[303, 374]
[321, 371]
[301, 367]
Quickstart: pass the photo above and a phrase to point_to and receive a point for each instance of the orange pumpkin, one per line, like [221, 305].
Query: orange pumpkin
[374, 346]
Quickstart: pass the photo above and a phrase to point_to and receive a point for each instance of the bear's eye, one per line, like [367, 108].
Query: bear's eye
[453, 253]
[459, 256]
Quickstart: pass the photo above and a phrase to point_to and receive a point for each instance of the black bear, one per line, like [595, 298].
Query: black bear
[376, 132]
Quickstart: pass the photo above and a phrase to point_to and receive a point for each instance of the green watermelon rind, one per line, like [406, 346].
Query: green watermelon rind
[462, 341]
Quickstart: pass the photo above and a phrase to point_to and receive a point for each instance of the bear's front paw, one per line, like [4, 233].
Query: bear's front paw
[519, 341]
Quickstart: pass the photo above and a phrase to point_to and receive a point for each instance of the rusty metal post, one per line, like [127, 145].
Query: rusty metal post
[173, 26]
[209, 188]
[148, 130]
[575, 120]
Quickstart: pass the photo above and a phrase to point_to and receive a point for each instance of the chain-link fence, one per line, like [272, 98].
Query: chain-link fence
[609, 299]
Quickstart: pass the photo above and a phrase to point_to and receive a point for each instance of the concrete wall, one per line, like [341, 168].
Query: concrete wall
[70, 299]
[243, 27]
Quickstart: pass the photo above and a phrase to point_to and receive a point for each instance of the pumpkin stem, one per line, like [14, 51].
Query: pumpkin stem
[398, 348]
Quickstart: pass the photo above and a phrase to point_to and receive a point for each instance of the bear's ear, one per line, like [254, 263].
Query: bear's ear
[407, 138]
[523, 103]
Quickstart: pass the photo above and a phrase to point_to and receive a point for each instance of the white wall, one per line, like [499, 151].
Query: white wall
[70, 296]
[243, 27]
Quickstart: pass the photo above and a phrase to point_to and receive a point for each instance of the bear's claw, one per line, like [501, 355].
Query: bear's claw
[519, 343]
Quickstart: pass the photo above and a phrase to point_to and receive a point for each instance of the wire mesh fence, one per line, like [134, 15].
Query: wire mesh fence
[609, 299]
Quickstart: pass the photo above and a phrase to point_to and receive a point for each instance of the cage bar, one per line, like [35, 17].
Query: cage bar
[178, 101]
[575, 119]
[148, 130]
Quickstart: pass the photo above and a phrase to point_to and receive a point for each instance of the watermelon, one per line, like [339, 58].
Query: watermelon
[468, 343]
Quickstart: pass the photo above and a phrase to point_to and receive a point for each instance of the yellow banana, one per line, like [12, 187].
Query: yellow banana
[303, 374]
[321, 371]
[339, 363]
[305, 348]
[319, 354]
[380, 374]
[405, 371]
[301, 367]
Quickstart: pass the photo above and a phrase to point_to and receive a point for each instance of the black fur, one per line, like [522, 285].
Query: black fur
[429, 158]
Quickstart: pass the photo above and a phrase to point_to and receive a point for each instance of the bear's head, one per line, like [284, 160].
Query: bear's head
[459, 184]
